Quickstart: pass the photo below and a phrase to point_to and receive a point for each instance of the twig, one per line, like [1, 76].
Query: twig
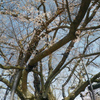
[93, 96]
[68, 11]
[63, 93]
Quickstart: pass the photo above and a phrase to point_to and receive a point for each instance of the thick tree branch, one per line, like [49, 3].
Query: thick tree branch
[95, 86]
[56, 70]
[36, 38]
[81, 88]
[34, 43]
[47, 32]
[72, 72]
[18, 75]
[67, 38]
[53, 48]
[89, 18]
[18, 90]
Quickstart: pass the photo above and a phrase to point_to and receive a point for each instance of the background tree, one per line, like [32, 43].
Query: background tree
[49, 49]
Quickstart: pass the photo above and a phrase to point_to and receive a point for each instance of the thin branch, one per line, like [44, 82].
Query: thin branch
[88, 55]
[9, 44]
[56, 71]
[4, 57]
[18, 75]
[81, 88]
[11, 67]
[89, 18]
[18, 90]
[93, 96]
[90, 44]
[67, 6]
[89, 28]
[68, 27]
[89, 62]
[9, 13]
[72, 72]
[9, 59]
[7, 90]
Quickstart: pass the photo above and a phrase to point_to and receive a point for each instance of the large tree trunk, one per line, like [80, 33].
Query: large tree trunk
[50, 96]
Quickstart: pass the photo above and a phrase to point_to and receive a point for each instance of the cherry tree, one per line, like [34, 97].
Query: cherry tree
[49, 49]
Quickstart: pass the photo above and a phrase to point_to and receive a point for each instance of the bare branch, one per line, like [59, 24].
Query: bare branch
[72, 72]
[18, 90]
[81, 88]
[11, 67]
[67, 6]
